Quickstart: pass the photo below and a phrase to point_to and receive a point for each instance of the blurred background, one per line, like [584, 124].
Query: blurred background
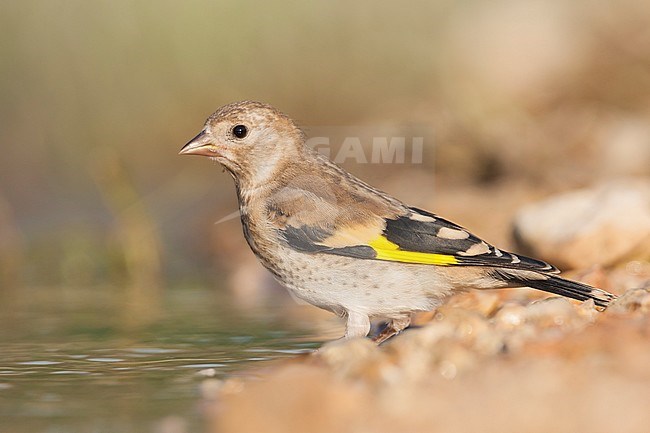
[97, 99]
[517, 100]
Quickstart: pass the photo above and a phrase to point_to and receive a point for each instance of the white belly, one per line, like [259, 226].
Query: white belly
[372, 287]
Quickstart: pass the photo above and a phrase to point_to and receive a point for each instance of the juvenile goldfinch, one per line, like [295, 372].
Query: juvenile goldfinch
[342, 245]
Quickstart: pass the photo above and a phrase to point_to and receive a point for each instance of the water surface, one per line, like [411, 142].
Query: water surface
[85, 360]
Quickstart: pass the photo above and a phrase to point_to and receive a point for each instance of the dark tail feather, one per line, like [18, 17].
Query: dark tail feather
[559, 286]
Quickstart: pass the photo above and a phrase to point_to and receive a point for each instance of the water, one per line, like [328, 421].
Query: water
[87, 361]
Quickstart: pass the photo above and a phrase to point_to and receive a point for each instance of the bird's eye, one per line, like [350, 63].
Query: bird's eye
[239, 131]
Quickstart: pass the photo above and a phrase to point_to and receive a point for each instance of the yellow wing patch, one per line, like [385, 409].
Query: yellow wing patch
[387, 250]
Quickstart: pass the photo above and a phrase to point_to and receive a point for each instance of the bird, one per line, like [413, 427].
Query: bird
[340, 244]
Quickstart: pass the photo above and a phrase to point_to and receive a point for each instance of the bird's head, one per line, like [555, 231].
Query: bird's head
[250, 139]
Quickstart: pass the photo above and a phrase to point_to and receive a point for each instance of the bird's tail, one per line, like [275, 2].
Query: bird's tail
[556, 285]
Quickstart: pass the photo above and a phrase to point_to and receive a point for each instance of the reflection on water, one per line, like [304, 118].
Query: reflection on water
[69, 364]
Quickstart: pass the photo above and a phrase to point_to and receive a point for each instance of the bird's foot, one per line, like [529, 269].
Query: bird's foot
[394, 327]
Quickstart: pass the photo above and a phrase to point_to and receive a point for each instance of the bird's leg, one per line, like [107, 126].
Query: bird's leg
[358, 325]
[394, 327]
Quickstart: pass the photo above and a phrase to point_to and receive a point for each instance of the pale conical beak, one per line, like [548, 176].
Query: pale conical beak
[199, 145]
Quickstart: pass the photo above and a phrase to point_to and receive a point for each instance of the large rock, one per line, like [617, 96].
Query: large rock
[605, 225]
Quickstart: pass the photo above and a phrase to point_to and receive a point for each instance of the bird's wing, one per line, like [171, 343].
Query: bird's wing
[417, 237]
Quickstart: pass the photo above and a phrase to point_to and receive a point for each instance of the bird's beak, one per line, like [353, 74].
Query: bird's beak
[199, 145]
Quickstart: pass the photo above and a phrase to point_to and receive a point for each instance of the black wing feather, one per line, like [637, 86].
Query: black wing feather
[423, 236]
[418, 231]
